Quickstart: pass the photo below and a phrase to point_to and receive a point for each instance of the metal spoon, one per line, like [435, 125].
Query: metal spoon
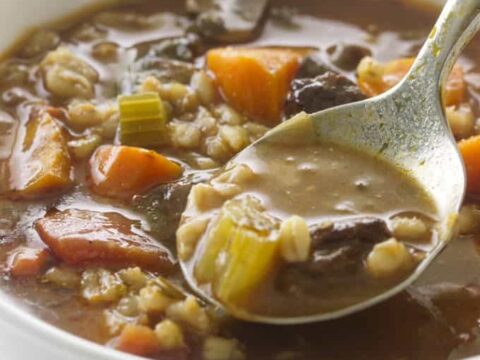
[407, 127]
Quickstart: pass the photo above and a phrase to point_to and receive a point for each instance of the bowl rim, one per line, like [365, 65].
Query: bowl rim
[35, 328]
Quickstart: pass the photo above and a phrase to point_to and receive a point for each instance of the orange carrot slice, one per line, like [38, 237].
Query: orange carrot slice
[40, 165]
[470, 150]
[138, 340]
[375, 78]
[25, 261]
[123, 171]
[255, 81]
[81, 237]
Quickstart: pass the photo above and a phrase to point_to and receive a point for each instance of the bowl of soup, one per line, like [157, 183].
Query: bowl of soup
[116, 120]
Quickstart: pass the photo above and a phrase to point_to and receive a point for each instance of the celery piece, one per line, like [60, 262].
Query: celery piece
[250, 258]
[145, 139]
[141, 105]
[142, 125]
[240, 250]
[216, 242]
[143, 120]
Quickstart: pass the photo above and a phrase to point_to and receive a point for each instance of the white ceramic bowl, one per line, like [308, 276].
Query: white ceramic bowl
[22, 336]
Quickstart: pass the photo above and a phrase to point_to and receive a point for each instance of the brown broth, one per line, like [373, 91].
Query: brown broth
[323, 182]
[326, 181]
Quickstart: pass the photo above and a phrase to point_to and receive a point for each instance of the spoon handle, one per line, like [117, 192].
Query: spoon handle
[455, 27]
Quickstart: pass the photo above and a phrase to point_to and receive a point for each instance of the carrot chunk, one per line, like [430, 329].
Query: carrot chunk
[375, 78]
[123, 171]
[40, 165]
[470, 150]
[255, 81]
[395, 71]
[138, 340]
[80, 237]
[25, 261]
[455, 89]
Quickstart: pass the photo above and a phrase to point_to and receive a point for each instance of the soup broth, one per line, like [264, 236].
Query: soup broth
[353, 203]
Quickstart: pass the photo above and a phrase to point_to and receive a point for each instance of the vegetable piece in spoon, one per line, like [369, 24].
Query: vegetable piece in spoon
[288, 237]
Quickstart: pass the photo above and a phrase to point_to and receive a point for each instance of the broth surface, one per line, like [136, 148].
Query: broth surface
[350, 202]
[329, 181]
[325, 183]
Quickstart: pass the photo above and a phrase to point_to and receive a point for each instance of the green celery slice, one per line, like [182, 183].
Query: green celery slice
[250, 258]
[146, 139]
[240, 250]
[143, 120]
[142, 125]
[216, 242]
[140, 105]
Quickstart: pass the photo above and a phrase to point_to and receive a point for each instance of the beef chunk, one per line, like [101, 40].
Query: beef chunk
[232, 21]
[169, 60]
[368, 230]
[322, 92]
[184, 48]
[311, 67]
[164, 205]
[347, 56]
[162, 68]
[338, 253]
[211, 24]
[341, 246]
[336, 258]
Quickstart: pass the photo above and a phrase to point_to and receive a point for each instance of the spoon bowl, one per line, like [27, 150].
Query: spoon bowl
[406, 126]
